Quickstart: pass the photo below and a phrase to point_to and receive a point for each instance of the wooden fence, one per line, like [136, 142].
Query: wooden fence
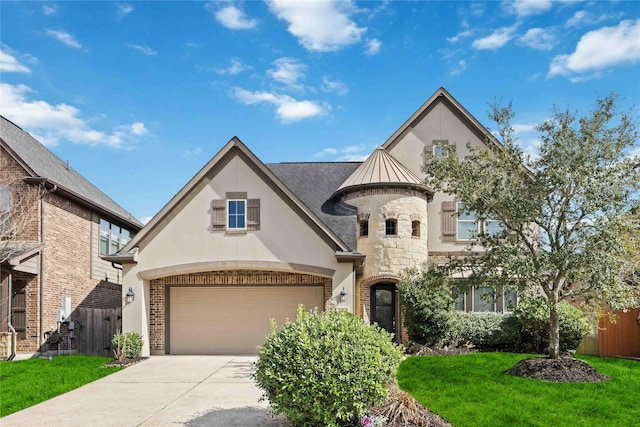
[95, 329]
[621, 338]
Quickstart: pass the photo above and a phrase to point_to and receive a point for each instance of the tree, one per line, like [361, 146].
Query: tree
[568, 224]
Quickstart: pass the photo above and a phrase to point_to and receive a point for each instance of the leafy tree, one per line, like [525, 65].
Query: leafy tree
[569, 227]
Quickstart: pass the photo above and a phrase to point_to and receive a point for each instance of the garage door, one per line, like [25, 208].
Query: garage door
[232, 320]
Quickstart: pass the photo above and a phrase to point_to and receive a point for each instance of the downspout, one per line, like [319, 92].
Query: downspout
[41, 262]
[14, 344]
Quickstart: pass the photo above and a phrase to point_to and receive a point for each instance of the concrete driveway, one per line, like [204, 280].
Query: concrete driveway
[160, 391]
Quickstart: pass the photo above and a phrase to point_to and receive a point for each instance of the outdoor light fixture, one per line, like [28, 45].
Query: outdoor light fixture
[130, 296]
[343, 295]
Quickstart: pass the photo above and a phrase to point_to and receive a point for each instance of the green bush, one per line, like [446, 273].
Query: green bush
[494, 330]
[326, 368]
[127, 345]
[532, 315]
[427, 299]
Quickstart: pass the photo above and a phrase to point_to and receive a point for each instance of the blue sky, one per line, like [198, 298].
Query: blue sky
[138, 96]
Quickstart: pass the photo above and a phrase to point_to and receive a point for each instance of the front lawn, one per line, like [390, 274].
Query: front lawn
[471, 390]
[27, 382]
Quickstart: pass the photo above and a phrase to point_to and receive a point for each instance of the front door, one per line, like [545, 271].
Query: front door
[383, 306]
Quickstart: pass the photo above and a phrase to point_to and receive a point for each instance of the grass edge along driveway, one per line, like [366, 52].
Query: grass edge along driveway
[471, 390]
[25, 383]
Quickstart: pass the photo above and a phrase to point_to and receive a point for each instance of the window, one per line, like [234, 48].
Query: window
[390, 227]
[364, 228]
[510, 300]
[440, 151]
[6, 206]
[237, 214]
[112, 237]
[467, 225]
[415, 228]
[492, 227]
[460, 303]
[484, 299]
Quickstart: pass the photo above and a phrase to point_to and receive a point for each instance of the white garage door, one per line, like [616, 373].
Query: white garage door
[232, 320]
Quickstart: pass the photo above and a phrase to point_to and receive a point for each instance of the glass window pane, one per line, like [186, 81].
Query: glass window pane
[240, 222]
[440, 151]
[232, 207]
[240, 207]
[483, 299]
[510, 300]
[104, 245]
[232, 221]
[383, 297]
[126, 236]
[460, 302]
[467, 230]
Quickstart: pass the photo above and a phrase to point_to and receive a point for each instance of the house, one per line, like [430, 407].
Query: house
[243, 242]
[54, 226]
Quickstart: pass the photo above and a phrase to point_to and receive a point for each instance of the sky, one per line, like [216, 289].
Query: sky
[138, 96]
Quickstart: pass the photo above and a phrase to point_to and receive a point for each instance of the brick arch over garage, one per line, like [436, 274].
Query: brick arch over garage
[159, 289]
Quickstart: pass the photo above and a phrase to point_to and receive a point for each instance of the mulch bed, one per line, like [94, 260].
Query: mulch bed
[402, 410]
[124, 363]
[560, 370]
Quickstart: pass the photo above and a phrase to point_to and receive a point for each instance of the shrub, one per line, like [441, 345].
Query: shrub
[494, 330]
[532, 315]
[428, 301]
[326, 368]
[127, 345]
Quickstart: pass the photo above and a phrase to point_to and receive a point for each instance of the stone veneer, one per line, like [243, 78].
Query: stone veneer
[158, 289]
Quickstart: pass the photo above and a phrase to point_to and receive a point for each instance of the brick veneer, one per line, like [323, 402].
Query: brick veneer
[158, 289]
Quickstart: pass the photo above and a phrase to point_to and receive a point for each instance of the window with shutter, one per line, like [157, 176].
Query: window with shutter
[438, 148]
[235, 214]
[449, 221]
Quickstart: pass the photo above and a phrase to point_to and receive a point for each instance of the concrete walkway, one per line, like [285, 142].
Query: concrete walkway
[160, 391]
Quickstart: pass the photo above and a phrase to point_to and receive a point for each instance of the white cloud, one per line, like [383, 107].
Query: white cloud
[600, 49]
[524, 8]
[538, 38]
[288, 71]
[145, 219]
[144, 49]
[65, 38]
[350, 153]
[49, 9]
[461, 35]
[373, 47]
[194, 152]
[230, 16]
[235, 67]
[288, 109]
[321, 26]
[582, 17]
[462, 65]
[9, 63]
[51, 123]
[338, 87]
[495, 40]
[124, 9]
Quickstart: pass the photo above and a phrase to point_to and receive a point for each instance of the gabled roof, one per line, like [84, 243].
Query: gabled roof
[237, 147]
[44, 166]
[440, 94]
[381, 168]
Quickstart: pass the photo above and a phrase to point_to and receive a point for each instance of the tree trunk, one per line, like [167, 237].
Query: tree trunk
[554, 331]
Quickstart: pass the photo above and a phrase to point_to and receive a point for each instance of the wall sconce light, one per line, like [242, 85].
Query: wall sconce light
[130, 296]
[343, 295]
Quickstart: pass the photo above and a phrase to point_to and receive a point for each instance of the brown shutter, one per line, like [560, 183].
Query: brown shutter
[449, 221]
[428, 154]
[253, 214]
[19, 308]
[218, 215]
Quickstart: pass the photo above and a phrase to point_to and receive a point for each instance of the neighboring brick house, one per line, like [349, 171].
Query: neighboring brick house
[244, 241]
[54, 226]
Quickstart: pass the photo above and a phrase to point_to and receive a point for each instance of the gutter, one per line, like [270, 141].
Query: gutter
[41, 262]
[14, 344]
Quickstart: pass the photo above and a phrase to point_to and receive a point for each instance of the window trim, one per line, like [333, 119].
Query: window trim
[228, 216]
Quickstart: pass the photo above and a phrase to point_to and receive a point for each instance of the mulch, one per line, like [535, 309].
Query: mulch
[560, 370]
[124, 363]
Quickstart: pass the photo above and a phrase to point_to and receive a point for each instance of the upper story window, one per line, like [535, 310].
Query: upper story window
[112, 237]
[467, 224]
[492, 227]
[415, 228]
[440, 151]
[236, 214]
[391, 227]
[364, 228]
[6, 206]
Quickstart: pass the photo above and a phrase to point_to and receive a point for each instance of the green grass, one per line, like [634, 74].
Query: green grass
[471, 390]
[27, 382]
